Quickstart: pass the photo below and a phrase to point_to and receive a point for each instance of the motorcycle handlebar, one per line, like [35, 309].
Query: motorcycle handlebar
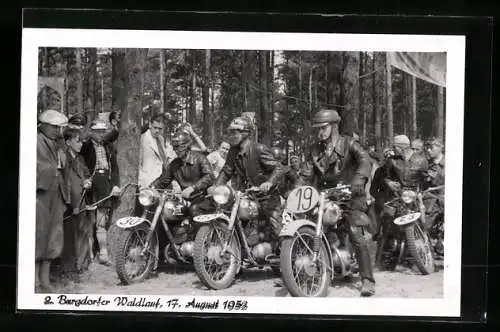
[252, 189]
[434, 189]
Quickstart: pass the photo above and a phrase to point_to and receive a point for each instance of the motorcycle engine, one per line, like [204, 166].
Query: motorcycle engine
[258, 237]
[344, 256]
[261, 250]
[186, 249]
[180, 233]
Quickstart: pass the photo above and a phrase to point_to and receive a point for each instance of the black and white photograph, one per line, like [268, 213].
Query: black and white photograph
[273, 173]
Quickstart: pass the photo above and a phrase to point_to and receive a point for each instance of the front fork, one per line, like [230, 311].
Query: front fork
[319, 227]
[154, 223]
[232, 220]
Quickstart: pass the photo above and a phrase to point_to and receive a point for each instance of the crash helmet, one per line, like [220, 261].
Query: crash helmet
[181, 141]
[324, 117]
[241, 124]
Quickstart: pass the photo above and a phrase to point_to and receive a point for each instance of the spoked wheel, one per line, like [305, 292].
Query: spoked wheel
[215, 267]
[134, 262]
[420, 248]
[301, 275]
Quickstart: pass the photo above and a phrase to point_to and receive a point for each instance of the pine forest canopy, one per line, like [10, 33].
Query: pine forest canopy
[282, 89]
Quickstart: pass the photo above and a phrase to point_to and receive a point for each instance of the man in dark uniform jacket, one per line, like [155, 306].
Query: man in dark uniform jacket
[336, 159]
[193, 173]
[251, 164]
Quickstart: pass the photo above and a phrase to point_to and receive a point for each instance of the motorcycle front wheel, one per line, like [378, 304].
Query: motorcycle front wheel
[215, 268]
[420, 248]
[134, 263]
[301, 276]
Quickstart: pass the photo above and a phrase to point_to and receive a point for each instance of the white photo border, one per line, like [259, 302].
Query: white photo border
[454, 46]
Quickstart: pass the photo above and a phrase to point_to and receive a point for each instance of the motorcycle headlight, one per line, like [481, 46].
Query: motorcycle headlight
[147, 197]
[408, 196]
[221, 194]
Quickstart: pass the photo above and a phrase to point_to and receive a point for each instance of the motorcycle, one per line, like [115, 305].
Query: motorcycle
[406, 236]
[315, 246]
[436, 231]
[138, 243]
[231, 238]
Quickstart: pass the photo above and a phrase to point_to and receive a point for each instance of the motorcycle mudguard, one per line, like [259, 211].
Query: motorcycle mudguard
[129, 222]
[407, 219]
[290, 228]
[206, 218]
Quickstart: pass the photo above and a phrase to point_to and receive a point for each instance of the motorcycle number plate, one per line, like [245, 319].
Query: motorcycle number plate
[129, 222]
[206, 217]
[407, 219]
[302, 199]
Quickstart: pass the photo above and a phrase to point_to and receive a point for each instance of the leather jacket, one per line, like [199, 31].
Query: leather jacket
[409, 173]
[195, 171]
[250, 165]
[348, 163]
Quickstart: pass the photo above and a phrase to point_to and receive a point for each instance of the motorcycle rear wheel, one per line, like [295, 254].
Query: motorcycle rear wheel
[203, 255]
[123, 250]
[288, 264]
[420, 248]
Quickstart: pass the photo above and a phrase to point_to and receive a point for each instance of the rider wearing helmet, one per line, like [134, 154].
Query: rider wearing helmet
[192, 171]
[336, 159]
[251, 164]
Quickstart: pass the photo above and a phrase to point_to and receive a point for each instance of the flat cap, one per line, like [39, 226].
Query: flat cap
[54, 118]
[401, 140]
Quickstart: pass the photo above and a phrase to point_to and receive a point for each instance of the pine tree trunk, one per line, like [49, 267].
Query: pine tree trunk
[45, 72]
[300, 103]
[327, 81]
[309, 111]
[244, 79]
[117, 79]
[78, 80]
[376, 106]
[192, 106]
[390, 119]
[271, 94]
[360, 95]
[208, 117]
[414, 106]
[130, 131]
[162, 82]
[440, 117]
[264, 103]
[92, 86]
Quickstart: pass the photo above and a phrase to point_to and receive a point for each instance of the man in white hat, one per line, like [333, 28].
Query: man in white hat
[406, 169]
[101, 161]
[51, 196]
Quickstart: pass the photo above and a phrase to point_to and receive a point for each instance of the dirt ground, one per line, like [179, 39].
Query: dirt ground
[176, 280]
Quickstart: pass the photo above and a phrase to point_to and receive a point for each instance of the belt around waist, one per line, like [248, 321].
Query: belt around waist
[102, 171]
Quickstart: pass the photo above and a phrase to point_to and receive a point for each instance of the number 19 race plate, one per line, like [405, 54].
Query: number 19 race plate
[302, 199]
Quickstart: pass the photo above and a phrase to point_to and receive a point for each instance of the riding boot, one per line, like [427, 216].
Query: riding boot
[103, 246]
[45, 276]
